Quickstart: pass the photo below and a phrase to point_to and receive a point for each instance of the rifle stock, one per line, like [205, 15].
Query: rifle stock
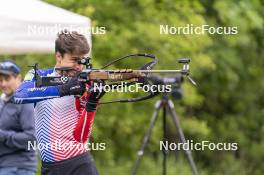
[115, 75]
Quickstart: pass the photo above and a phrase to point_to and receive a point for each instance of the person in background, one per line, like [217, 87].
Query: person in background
[16, 126]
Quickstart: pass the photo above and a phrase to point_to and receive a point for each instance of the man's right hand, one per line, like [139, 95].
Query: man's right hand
[73, 87]
[94, 96]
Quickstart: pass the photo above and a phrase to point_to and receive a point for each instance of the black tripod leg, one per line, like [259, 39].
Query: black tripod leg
[147, 136]
[164, 139]
[182, 137]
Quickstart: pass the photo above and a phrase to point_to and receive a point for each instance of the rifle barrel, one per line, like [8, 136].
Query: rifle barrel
[146, 71]
[160, 71]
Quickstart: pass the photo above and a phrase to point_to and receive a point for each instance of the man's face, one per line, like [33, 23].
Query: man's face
[9, 83]
[69, 61]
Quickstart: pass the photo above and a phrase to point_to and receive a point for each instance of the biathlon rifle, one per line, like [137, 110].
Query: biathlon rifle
[143, 75]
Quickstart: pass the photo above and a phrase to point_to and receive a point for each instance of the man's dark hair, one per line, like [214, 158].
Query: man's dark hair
[71, 42]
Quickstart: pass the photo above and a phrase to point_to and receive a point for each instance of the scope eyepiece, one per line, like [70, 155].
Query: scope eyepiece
[84, 61]
[184, 60]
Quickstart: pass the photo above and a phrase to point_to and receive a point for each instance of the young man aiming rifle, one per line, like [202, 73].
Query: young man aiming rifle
[61, 117]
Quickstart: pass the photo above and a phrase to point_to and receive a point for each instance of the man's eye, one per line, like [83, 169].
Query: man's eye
[72, 61]
[75, 60]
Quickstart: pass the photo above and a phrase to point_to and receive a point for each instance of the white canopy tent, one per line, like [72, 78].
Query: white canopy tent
[30, 26]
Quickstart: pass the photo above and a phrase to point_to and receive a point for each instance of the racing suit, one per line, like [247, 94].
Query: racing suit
[62, 123]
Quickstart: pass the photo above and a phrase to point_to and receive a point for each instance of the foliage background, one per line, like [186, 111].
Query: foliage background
[227, 105]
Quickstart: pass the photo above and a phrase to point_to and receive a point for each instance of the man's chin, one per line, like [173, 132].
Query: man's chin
[8, 93]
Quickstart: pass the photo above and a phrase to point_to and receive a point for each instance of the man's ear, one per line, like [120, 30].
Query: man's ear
[58, 57]
[19, 77]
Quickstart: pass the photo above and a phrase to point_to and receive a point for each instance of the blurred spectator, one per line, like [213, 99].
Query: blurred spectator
[16, 126]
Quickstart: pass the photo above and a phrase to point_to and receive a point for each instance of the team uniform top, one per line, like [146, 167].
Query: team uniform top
[62, 123]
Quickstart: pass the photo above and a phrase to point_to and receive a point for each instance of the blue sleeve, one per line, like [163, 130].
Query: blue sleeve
[28, 93]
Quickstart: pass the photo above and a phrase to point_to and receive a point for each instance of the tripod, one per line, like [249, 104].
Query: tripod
[167, 105]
